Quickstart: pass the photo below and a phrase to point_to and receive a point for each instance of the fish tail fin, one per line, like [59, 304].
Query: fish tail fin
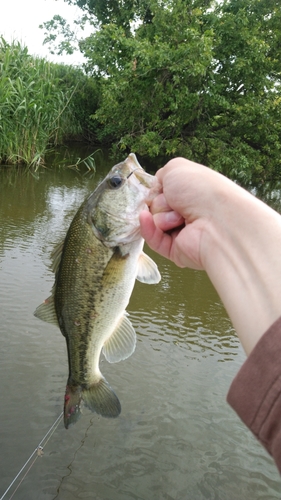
[72, 404]
[101, 399]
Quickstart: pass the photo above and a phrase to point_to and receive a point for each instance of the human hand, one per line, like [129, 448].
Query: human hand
[174, 227]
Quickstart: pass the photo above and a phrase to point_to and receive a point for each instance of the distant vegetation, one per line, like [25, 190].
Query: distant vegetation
[187, 77]
[41, 105]
[201, 79]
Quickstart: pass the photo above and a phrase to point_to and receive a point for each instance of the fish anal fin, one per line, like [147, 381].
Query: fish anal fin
[122, 343]
[46, 311]
[147, 270]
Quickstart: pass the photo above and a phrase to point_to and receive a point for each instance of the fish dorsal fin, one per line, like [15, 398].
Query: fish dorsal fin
[122, 343]
[147, 270]
[56, 256]
[46, 311]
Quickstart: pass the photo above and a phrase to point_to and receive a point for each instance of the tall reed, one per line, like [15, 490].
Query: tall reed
[35, 109]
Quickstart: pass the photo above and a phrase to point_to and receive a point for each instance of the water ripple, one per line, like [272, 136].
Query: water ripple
[176, 437]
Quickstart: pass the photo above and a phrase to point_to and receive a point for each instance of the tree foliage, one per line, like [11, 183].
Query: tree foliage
[189, 77]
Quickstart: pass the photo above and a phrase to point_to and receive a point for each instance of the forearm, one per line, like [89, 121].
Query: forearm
[241, 252]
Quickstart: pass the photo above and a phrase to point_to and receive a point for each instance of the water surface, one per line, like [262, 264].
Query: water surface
[176, 437]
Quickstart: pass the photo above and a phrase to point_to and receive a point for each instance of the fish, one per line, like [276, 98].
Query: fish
[95, 271]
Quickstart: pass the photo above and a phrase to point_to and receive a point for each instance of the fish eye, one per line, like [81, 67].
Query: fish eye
[115, 181]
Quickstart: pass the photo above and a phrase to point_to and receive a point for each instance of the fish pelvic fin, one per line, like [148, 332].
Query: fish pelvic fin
[101, 399]
[72, 404]
[122, 342]
[147, 270]
[46, 311]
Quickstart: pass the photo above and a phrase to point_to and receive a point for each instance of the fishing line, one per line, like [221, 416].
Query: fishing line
[38, 451]
[82, 442]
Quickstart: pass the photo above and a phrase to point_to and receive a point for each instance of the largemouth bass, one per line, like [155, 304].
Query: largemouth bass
[95, 270]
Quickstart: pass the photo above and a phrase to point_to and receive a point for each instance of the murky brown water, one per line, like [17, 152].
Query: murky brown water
[176, 437]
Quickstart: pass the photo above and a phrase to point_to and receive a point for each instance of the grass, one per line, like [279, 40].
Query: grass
[36, 110]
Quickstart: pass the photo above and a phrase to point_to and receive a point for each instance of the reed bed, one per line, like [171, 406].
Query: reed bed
[36, 109]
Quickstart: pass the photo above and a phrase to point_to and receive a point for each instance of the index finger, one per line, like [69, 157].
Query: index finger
[159, 204]
[156, 239]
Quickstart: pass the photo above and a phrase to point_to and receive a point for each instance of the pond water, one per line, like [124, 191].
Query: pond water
[176, 437]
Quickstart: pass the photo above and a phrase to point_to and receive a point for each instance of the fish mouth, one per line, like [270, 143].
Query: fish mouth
[142, 176]
[150, 186]
[132, 162]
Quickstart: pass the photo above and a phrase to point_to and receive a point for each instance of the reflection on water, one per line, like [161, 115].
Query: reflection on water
[176, 438]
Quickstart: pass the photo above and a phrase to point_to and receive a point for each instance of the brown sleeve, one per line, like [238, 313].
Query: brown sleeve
[255, 393]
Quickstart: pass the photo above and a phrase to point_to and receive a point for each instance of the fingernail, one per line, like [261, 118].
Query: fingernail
[173, 217]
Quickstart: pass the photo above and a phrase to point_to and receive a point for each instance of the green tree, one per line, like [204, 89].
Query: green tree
[189, 77]
[152, 90]
[120, 12]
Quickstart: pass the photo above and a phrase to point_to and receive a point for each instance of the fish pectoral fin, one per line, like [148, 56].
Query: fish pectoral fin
[46, 311]
[147, 270]
[122, 343]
